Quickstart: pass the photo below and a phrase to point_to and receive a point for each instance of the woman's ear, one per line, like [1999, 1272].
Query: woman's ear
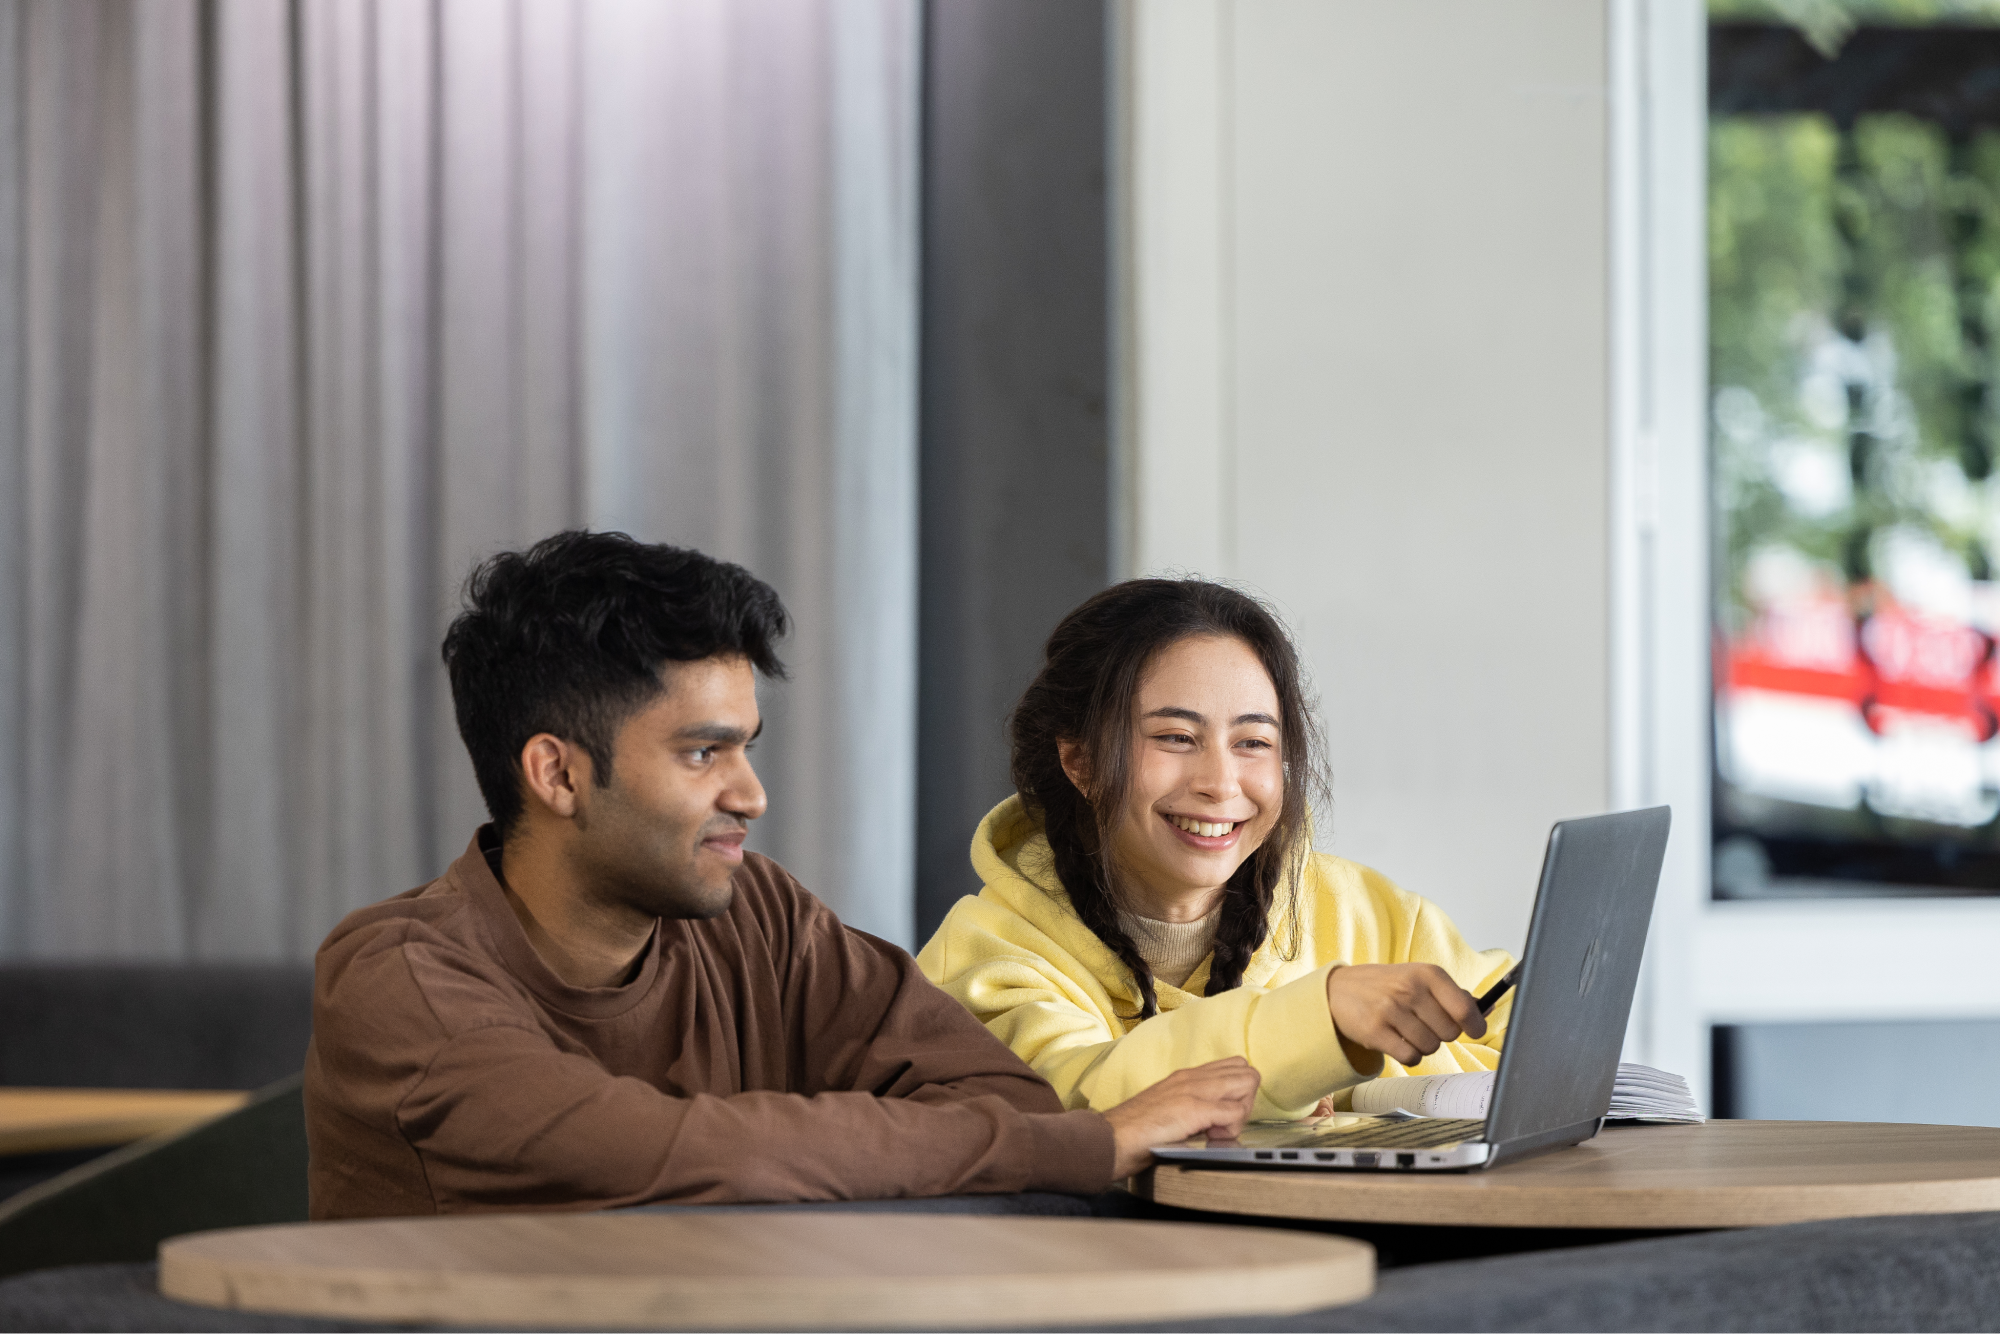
[1070, 752]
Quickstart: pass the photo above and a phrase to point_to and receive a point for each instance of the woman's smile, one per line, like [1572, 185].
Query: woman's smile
[1207, 835]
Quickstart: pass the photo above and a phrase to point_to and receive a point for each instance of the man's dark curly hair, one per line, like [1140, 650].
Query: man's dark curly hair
[572, 636]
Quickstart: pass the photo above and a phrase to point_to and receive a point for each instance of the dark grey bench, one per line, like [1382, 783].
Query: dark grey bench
[108, 1025]
[189, 1026]
[1923, 1272]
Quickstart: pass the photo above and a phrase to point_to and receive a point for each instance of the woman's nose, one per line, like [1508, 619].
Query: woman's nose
[1215, 777]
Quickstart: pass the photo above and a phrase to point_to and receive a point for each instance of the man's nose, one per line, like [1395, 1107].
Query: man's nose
[745, 794]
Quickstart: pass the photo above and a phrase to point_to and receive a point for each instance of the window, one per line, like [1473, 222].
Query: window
[1854, 311]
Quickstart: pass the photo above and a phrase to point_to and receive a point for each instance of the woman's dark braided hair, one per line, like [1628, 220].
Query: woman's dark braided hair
[1085, 693]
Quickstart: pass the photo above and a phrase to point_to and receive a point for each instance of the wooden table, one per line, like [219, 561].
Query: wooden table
[36, 1120]
[797, 1270]
[1723, 1174]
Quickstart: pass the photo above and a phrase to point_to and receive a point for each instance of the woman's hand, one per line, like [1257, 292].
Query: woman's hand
[1403, 1010]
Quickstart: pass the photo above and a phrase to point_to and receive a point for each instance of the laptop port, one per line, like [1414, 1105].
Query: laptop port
[1326, 1157]
[1366, 1159]
[1263, 1153]
[1289, 1156]
[1406, 1160]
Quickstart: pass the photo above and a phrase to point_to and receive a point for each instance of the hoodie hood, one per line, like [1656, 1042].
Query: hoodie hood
[1011, 853]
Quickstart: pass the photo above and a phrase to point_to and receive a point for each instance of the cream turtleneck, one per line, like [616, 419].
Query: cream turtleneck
[1173, 950]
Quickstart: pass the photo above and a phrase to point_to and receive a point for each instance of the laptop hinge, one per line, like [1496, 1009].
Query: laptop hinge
[1527, 1146]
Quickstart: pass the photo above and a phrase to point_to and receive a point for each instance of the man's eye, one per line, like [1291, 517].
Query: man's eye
[703, 754]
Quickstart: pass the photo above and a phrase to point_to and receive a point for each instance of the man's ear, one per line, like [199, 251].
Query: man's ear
[1070, 752]
[554, 772]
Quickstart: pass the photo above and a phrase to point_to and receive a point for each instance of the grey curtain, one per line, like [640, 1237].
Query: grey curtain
[307, 304]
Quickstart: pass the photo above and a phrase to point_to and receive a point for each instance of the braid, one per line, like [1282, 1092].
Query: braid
[1079, 870]
[1240, 931]
[1102, 919]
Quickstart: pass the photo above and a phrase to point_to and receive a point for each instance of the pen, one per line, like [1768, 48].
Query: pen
[1492, 997]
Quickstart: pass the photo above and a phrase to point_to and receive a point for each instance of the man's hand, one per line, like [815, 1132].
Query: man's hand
[1213, 1099]
[1404, 1010]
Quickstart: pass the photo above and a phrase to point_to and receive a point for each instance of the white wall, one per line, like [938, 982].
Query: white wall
[1364, 371]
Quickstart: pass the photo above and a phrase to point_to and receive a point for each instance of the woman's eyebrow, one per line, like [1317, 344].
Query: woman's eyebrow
[1189, 715]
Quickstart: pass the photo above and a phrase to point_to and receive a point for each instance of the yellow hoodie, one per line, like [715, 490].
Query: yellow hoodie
[1020, 959]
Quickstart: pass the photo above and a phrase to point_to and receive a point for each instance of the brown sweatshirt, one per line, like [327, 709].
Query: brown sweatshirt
[767, 1054]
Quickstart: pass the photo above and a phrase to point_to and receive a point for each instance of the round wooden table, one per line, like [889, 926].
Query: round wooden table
[1723, 1174]
[771, 1271]
[39, 1120]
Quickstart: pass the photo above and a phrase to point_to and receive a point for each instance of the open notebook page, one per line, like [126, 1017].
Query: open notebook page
[1463, 1095]
[1640, 1093]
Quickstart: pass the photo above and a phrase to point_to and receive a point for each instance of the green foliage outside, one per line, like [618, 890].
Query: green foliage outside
[1827, 23]
[1852, 282]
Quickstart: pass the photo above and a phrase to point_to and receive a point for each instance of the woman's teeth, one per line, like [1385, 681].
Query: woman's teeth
[1205, 828]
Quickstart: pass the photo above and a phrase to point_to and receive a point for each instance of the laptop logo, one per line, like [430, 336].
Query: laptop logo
[1589, 970]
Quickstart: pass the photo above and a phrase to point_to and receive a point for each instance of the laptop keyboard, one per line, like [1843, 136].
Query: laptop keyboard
[1426, 1134]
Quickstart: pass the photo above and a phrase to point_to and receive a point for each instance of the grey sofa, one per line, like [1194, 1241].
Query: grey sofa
[108, 1025]
[239, 1170]
[190, 1026]
[1921, 1272]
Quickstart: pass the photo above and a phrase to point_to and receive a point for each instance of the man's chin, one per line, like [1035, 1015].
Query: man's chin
[684, 898]
[699, 897]
[712, 904]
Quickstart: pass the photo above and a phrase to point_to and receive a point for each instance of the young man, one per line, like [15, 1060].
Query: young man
[606, 1001]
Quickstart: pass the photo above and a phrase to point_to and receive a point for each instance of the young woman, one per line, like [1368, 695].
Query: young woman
[1152, 900]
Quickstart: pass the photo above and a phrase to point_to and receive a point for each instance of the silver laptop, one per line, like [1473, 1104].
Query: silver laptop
[1568, 1025]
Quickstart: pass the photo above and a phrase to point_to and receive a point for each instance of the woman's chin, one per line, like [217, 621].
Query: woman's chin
[1185, 871]
[1173, 865]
